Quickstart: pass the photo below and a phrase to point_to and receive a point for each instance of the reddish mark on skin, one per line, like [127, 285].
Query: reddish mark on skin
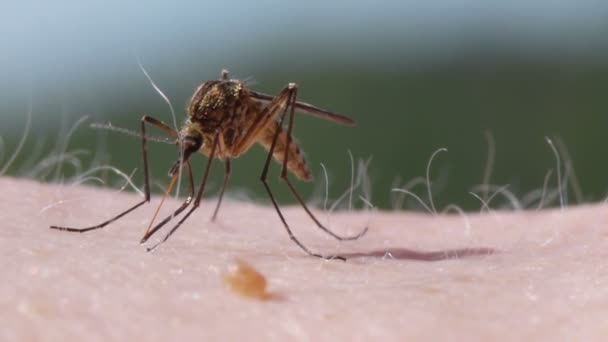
[245, 280]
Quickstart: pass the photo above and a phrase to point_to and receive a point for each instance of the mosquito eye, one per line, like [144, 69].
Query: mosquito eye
[192, 144]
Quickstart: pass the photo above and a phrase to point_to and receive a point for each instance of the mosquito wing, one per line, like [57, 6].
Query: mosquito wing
[309, 109]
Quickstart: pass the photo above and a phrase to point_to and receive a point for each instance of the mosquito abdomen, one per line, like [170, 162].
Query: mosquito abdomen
[296, 163]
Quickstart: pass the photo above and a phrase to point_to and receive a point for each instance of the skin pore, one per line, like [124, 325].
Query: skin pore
[510, 275]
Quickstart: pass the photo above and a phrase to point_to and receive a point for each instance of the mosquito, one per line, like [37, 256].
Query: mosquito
[225, 119]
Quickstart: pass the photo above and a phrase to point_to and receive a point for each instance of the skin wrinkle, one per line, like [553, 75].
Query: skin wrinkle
[515, 276]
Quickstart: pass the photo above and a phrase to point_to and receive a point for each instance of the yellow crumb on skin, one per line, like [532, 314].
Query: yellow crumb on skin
[245, 280]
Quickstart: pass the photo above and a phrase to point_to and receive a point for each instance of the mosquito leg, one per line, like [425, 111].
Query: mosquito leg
[145, 119]
[296, 195]
[227, 172]
[178, 210]
[264, 179]
[268, 114]
[199, 195]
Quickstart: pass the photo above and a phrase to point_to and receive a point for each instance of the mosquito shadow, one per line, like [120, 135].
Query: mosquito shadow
[409, 254]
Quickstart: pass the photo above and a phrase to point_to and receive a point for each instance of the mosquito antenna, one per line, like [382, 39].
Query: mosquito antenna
[131, 133]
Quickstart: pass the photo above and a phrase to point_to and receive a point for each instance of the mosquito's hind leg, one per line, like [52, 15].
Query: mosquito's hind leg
[296, 195]
[264, 177]
[227, 173]
[145, 119]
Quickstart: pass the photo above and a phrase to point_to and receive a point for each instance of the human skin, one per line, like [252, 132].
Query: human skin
[499, 276]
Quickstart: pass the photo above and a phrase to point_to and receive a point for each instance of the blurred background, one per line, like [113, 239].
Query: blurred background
[471, 76]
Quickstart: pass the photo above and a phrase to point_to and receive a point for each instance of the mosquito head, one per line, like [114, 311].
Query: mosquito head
[190, 144]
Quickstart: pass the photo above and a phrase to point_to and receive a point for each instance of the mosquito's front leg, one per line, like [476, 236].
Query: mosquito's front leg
[145, 119]
[199, 195]
[181, 208]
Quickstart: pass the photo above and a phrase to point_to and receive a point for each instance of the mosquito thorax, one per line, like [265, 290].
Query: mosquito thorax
[214, 98]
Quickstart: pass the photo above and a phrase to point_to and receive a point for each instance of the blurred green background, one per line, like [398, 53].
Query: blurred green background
[415, 75]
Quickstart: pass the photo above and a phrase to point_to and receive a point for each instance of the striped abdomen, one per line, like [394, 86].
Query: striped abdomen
[296, 163]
